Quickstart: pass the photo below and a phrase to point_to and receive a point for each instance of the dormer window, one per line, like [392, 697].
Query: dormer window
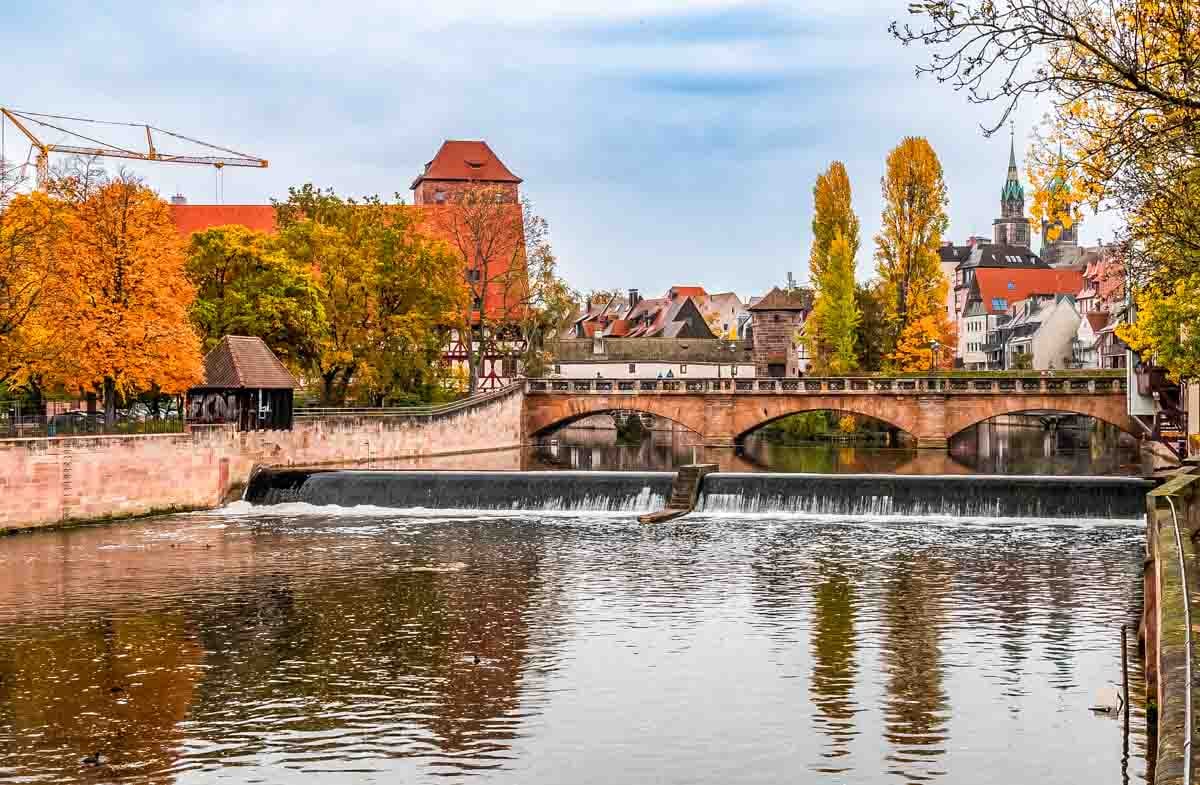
[475, 164]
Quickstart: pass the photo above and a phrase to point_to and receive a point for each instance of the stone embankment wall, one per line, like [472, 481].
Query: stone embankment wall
[1164, 626]
[44, 482]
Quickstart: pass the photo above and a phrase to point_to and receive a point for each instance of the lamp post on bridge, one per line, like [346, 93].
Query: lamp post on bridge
[933, 347]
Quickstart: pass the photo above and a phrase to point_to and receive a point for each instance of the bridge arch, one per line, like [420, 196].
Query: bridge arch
[857, 411]
[544, 414]
[754, 412]
[1106, 408]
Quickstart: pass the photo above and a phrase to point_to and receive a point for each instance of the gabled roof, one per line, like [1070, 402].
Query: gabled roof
[779, 300]
[686, 291]
[245, 362]
[466, 160]
[1004, 256]
[1010, 285]
[198, 217]
[954, 253]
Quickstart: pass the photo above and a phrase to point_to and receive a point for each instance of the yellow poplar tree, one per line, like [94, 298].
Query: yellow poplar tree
[829, 332]
[906, 254]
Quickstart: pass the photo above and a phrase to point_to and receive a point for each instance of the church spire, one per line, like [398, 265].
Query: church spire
[1012, 191]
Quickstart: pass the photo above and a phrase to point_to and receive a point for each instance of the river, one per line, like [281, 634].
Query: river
[299, 644]
[1016, 445]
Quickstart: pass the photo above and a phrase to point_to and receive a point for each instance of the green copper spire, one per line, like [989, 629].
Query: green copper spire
[1012, 190]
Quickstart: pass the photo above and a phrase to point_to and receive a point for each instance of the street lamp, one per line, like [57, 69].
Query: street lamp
[933, 347]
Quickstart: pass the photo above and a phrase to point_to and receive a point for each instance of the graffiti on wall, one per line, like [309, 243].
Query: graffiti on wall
[213, 407]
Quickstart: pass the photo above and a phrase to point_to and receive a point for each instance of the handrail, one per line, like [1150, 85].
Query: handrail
[407, 411]
[1187, 643]
[1074, 383]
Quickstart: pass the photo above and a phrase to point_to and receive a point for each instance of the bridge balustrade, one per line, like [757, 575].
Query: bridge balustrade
[849, 385]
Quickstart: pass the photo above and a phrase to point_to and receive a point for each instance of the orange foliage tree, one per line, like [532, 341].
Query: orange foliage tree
[126, 308]
[32, 229]
[906, 252]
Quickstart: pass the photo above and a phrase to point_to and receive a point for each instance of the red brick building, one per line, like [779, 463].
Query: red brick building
[776, 321]
[457, 166]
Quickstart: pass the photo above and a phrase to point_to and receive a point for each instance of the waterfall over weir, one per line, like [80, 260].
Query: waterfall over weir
[638, 492]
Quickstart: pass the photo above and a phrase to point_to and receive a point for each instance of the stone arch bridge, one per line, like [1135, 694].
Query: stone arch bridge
[724, 410]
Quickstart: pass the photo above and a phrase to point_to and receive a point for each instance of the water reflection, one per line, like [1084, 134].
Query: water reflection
[916, 711]
[1009, 445]
[275, 646]
[1049, 444]
[834, 670]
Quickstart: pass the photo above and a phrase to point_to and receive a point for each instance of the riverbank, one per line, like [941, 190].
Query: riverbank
[52, 481]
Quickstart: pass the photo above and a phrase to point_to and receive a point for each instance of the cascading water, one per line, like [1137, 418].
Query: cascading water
[632, 492]
[972, 496]
[637, 492]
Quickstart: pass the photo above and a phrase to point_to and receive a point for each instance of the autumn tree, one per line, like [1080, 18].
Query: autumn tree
[486, 229]
[830, 329]
[870, 345]
[387, 292]
[906, 254]
[247, 285]
[1123, 91]
[33, 230]
[127, 306]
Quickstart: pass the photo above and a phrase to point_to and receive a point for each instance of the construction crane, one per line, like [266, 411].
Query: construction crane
[24, 120]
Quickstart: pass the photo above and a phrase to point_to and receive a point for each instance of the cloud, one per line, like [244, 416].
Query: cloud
[666, 143]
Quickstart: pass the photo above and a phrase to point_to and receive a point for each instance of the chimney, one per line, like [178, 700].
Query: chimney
[178, 199]
[634, 297]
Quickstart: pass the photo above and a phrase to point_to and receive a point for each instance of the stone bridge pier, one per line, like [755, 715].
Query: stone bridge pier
[723, 411]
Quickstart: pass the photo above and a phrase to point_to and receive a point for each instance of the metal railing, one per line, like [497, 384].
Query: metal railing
[1006, 385]
[432, 410]
[1187, 645]
[16, 424]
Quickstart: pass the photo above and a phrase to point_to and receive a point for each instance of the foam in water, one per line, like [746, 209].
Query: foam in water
[844, 495]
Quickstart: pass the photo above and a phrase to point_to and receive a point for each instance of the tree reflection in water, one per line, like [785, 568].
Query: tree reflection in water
[915, 710]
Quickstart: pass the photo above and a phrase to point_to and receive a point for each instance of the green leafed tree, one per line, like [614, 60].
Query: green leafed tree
[247, 285]
[836, 311]
[833, 310]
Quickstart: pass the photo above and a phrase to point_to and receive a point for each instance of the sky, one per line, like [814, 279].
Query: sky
[665, 142]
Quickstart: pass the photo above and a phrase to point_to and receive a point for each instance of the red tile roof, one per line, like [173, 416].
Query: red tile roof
[1014, 283]
[245, 362]
[466, 160]
[198, 217]
[686, 291]
[779, 300]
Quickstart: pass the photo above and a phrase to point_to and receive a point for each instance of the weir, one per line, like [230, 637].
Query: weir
[640, 492]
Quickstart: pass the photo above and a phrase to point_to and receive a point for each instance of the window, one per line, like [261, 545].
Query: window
[682, 369]
[557, 368]
[439, 196]
[733, 370]
[473, 275]
[509, 367]
[776, 370]
[999, 304]
[1012, 285]
[477, 303]
[633, 367]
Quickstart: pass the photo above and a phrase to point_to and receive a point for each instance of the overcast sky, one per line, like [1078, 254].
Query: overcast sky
[665, 142]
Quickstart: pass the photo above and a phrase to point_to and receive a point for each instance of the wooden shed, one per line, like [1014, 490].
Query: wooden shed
[244, 383]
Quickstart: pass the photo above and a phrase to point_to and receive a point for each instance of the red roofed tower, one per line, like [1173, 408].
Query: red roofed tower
[459, 164]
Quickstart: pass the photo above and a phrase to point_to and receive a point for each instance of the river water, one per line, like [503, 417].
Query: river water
[298, 644]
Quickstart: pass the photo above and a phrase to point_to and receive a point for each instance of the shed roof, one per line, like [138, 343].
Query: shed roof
[245, 362]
